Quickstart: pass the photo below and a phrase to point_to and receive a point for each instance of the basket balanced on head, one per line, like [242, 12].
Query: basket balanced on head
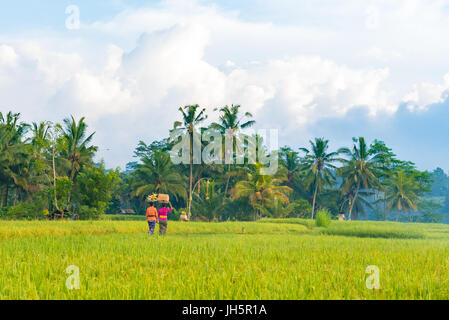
[152, 198]
[163, 198]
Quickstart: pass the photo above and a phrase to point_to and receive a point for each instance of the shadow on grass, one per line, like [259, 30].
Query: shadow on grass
[370, 233]
[360, 229]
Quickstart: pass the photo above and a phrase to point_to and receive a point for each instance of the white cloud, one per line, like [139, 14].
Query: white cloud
[155, 60]
[167, 68]
[425, 94]
[380, 54]
[8, 56]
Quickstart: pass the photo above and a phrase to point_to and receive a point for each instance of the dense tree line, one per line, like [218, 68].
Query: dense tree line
[47, 170]
[47, 167]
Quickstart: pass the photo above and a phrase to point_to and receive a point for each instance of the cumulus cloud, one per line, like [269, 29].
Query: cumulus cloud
[167, 68]
[155, 60]
[425, 94]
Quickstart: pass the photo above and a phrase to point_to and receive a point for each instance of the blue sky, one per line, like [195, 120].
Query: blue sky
[328, 68]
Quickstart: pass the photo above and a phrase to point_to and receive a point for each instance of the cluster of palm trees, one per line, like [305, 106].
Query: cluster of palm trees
[347, 181]
[44, 161]
[33, 158]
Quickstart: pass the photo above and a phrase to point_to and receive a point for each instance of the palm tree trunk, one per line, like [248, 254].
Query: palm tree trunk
[5, 195]
[72, 177]
[229, 178]
[1, 197]
[72, 172]
[16, 196]
[354, 200]
[54, 178]
[314, 199]
[191, 177]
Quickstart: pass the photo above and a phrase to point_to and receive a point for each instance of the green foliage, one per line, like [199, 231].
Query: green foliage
[297, 209]
[52, 166]
[175, 214]
[238, 209]
[401, 192]
[359, 171]
[95, 188]
[91, 213]
[23, 211]
[261, 190]
[323, 218]
[319, 167]
[157, 174]
[76, 144]
[209, 203]
[429, 211]
[303, 209]
[64, 187]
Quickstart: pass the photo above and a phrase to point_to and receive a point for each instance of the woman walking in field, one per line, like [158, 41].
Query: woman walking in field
[152, 218]
[163, 212]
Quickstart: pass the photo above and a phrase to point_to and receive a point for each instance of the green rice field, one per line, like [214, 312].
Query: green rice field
[270, 259]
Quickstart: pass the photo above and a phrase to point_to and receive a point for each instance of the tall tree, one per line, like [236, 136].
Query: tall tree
[401, 193]
[77, 147]
[318, 166]
[191, 117]
[262, 190]
[14, 155]
[156, 174]
[229, 125]
[40, 135]
[208, 202]
[290, 160]
[360, 170]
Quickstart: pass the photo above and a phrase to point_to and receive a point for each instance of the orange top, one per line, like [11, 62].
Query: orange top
[151, 214]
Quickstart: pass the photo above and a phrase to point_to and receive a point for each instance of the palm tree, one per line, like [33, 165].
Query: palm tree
[77, 150]
[360, 203]
[156, 174]
[14, 154]
[279, 209]
[290, 160]
[401, 193]
[208, 202]
[262, 190]
[191, 117]
[40, 135]
[360, 170]
[230, 125]
[44, 138]
[318, 167]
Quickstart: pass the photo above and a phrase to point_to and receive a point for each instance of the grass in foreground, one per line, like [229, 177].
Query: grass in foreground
[265, 260]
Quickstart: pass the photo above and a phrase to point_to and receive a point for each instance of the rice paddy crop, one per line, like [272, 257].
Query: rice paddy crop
[273, 259]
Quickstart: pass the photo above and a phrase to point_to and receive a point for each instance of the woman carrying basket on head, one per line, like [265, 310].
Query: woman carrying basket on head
[163, 213]
[152, 218]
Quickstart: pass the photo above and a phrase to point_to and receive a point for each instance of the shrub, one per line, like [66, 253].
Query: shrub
[323, 218]
[175, 214]
[89, 213]
[94, 189]
[303, 209]
[23, 211]
[362, 229]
